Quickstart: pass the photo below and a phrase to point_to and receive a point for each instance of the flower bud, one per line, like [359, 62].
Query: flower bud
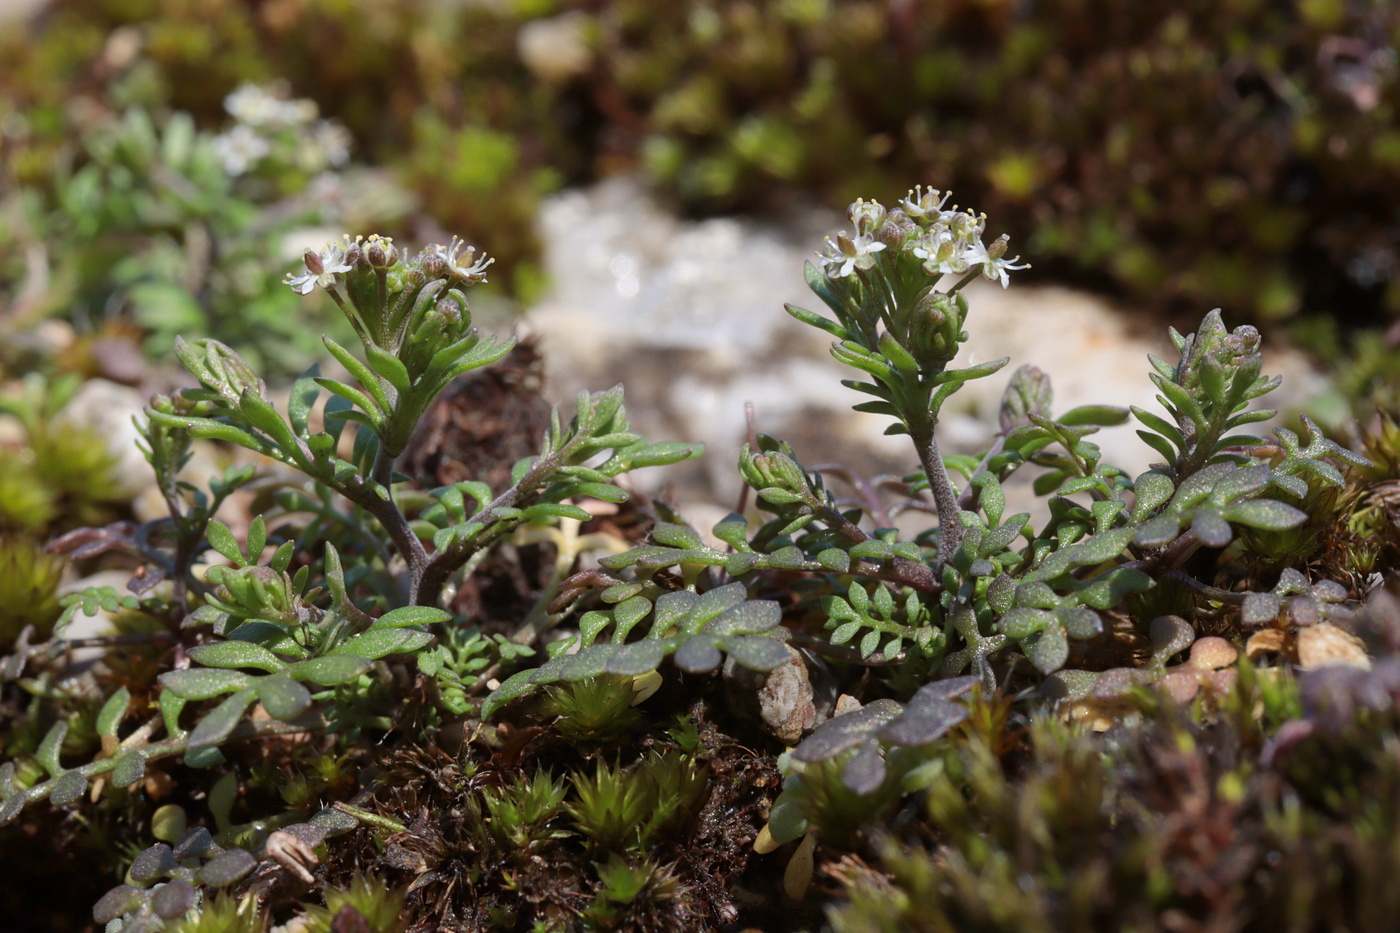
[312, 258]
[1027, 391]
[866, 216]
[355, 256]
[380, 252]
[998, 247]
[448, 312]
[434, 265]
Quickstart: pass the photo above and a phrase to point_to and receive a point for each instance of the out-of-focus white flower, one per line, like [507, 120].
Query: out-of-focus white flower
[253, 104]
[556, 49]
[260, 106]
[298, 112]
[324, 144]
[240, 148]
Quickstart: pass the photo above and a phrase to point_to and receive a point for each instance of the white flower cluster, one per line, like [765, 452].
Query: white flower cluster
[267, 119]
[456, 262]
[269, 107]
[947, 241]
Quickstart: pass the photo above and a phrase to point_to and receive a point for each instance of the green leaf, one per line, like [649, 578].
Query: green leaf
[1100, 415]
[748, 618]
[363, 375]
[1268, 514]
[627, 614]
[382, 642]
[757, 653]
[1211, 528]
[213, 430]
[389, 366]
[698, 655]
[303, 397]
[203, 683]
[130, 768]
[637, 658]
[216, 726]
[257, 539]
[264, 417]
[49, 748]
[1049, 650]
[513, 687]
[1153, 489]
[329, 670]
[222, 540]
[648, 455]
[68, 788]
[110, 716]
[681, 536]
[282, 697]
[543, 510]
[234, 654]
[872, 548]
[484, 353]
[371, 414]
[1022, 623]
[1158, 532]
[818, 321]
[1109, 589]
[605, 491]
[411, 615]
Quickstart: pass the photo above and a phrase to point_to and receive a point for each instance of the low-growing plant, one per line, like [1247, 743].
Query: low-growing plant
[154, 228]
[295, 641]
[994, 594]
[334, 631]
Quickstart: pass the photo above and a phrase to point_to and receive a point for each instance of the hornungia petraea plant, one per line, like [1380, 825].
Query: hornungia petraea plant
[980, 591]
[264, 648]
[326, 632]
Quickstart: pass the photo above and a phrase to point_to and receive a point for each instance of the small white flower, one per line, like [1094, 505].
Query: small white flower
[940, 251]
[920, 203]
[322, 266]
[995, 269]
[848, 255]
[866, 215]
[459, 264]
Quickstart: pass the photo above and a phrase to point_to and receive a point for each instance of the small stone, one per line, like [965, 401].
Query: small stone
[1212, 653]
[1324, 644]
[108, 408]
[783, 700]
[1269, 641]
[846, 703]
[1181, 685]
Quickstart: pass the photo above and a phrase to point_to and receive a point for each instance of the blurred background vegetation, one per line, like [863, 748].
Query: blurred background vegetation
[1178, 155]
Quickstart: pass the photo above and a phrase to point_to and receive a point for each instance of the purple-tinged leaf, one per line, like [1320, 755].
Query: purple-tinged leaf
[865, 772]
[226, 868]
[836, 735]
[173, 900]
[116, 902]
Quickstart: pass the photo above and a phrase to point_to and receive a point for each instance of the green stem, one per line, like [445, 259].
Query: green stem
[427, 587]
[950, 529]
